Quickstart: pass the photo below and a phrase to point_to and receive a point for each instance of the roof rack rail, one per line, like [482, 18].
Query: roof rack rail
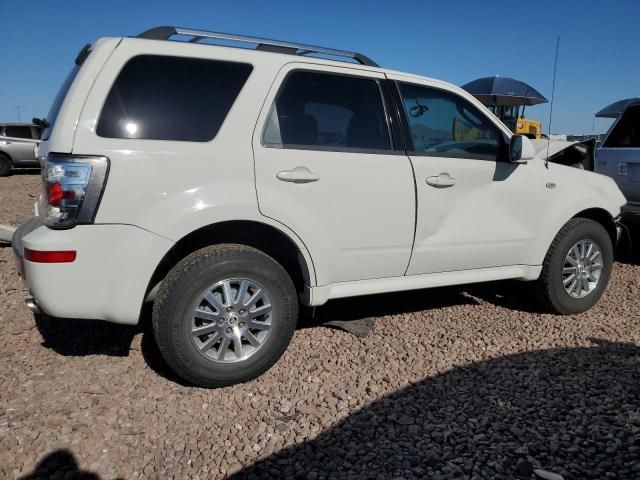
[277, 46]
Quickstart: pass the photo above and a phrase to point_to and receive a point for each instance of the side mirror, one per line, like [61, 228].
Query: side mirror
[520, 149]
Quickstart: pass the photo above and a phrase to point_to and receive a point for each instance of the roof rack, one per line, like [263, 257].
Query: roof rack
[277, 46]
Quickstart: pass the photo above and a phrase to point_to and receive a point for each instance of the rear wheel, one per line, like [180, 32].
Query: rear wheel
[224, 315]
[5, 165]
[577, 267]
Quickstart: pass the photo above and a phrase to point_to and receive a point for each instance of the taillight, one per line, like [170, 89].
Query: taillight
[73, 186]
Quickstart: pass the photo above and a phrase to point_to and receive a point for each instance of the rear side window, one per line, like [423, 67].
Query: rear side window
[18, 131]
[626, 133]
[328, 111]
[171, 98]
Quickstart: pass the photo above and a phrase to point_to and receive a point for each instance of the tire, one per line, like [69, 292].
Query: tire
[558, 268]
[5, 165]
[198, 283]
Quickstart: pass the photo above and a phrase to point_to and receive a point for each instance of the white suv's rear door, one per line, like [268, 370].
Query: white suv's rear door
[326, 168]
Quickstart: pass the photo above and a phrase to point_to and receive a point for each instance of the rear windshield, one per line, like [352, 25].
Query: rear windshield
[159, 97]
[57, 102]
[626, 133]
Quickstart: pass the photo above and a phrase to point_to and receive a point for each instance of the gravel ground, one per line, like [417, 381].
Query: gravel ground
[468, 382]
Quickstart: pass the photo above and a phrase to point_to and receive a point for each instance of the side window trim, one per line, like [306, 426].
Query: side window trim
[387, 118]
[409, 139]
[396, 118]
[321, 148]
[403, 124]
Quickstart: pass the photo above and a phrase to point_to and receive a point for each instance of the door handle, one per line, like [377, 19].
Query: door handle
[443, 180]
[298, 175]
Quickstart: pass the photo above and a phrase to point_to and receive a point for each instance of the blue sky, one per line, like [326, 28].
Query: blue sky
[456, 41]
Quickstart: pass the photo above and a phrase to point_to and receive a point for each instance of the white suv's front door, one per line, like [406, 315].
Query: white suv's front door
[474, 210]
[326, 168]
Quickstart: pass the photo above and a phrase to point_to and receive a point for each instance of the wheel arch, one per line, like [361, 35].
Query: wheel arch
[261, 236]
[559, 219]
[603, 217]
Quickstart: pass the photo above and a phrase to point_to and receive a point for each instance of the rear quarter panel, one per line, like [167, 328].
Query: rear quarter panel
[173, 187]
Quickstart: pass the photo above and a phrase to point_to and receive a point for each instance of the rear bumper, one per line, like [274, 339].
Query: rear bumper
[108, 279]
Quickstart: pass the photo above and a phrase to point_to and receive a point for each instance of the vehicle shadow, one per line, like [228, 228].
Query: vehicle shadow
[510, 294]
[80, 337]
[373, 306]
[571, 411]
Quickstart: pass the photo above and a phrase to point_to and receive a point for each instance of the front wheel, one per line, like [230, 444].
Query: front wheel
[224, 315]
[577, 267]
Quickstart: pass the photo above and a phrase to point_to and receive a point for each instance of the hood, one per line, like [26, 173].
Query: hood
[578, 154]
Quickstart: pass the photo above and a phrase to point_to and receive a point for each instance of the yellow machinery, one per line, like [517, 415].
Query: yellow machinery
[514, 118]
[529, 128]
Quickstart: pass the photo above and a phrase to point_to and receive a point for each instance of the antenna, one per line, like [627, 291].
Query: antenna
[553, 93]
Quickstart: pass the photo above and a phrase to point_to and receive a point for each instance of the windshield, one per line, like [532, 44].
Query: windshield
[57, 102]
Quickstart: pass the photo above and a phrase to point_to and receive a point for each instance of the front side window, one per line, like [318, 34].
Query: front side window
[328, 111]
[445, 125]
[18, 131]
[626, 133]
[171, 98]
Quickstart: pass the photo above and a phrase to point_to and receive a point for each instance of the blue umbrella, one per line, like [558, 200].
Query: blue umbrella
[504, 91]
[616, 108]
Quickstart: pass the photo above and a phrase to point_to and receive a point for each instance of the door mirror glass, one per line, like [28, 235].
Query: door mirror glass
[515, 148]
[521, 149]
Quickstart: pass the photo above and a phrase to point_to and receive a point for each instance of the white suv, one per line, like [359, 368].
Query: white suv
[227, 185]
